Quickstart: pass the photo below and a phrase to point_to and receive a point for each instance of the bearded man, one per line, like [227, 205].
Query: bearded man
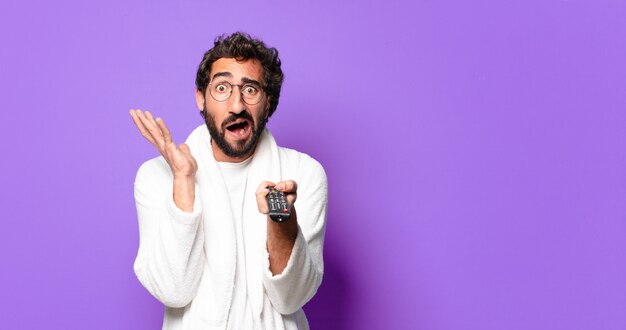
[208, 249]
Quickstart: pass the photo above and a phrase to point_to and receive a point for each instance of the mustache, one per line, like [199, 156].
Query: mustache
[242, 115]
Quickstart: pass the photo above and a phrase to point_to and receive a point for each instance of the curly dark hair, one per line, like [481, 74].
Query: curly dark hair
[241, 46]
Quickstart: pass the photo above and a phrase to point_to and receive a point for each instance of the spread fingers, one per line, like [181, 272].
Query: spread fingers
[152, 127]
[141, 127]
[167, 137]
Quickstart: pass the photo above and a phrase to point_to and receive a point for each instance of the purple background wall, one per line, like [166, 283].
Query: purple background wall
[475, 152]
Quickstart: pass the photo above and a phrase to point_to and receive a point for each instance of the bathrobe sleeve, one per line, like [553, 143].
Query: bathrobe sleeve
[299, 281]
[170, 258]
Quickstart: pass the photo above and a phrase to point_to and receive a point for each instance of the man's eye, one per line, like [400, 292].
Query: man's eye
[250, 90]
[221, 88]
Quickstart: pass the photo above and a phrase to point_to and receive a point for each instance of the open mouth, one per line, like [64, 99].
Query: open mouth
[239, 127]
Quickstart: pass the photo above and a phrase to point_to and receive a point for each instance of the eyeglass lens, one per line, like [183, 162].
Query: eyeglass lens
[221, 91]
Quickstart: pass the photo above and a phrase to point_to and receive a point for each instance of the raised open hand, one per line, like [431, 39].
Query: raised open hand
[179, 158]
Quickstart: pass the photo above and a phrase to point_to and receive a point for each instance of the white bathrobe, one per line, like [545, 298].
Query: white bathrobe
[187, 260]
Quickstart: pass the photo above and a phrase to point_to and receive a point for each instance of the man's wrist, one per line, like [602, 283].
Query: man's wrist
[184, 192]
[184, 176]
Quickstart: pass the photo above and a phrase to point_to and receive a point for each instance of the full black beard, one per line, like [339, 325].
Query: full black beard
[243, 147]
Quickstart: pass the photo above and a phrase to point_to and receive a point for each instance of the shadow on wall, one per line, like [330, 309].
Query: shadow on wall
[329, 307]
[332, 305]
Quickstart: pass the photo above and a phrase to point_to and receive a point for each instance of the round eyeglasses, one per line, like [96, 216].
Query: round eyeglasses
[250, 93]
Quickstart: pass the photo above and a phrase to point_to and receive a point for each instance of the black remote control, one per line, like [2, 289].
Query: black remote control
[278, 206]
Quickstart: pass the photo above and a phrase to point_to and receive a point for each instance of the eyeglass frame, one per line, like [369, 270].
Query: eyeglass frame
[261, 89]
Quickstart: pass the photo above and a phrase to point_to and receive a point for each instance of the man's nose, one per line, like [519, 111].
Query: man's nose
[236, 104]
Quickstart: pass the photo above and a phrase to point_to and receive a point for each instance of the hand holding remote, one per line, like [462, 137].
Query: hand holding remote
[281, 236]
[276, 200]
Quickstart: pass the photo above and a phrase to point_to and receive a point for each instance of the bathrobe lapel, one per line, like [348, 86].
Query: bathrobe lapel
[265, 166]
[220, 242]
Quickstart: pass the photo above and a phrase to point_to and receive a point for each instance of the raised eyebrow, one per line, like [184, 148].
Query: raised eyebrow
[222, 74]
[227, 74]
[250, 81]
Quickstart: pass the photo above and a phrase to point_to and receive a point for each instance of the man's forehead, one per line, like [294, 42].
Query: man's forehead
[237, 69]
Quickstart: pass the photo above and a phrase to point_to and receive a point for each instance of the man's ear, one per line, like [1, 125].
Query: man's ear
[199, 99]
[267, 108]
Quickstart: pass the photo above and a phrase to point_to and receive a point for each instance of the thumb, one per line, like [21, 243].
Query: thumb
[184, 148]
